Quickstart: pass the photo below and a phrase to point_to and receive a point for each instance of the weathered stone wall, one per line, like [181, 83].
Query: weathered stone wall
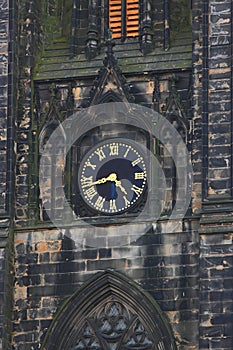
[197, 112]
[51, 265]
[216, 221]
[2, 296]
[30, 13]
[194, 291]
[219, 99]
[4, 60]
[216, 281]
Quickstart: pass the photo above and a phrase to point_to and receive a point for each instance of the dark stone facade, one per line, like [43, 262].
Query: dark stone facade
[49, 70]
[2, 289]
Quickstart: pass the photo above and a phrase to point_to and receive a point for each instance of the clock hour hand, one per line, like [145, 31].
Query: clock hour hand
[113, 177]
[118, 184]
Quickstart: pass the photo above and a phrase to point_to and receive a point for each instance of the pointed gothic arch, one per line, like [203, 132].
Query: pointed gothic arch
[110, 84]
[109, 312]
[110, 96]
[53, 165]
[175, 111]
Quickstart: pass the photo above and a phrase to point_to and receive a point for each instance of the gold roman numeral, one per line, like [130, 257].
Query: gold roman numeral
[93, 166]
[85, 181]
[112, 205]
[136, 161]
[137, 190]
[99, 202]
[100, 153]
[126, 152]
[91, 192]
[140, 176]
[114, 149]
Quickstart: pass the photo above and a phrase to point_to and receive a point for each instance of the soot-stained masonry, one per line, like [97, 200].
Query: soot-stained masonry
[148, 283]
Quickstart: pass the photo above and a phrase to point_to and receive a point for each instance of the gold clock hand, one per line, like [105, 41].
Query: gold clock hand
[97, 182]
[111, 177]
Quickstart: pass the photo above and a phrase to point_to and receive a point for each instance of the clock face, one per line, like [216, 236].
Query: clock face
[113, 176]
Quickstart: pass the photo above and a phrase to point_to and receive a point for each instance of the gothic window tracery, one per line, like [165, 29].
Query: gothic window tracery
[113, 327]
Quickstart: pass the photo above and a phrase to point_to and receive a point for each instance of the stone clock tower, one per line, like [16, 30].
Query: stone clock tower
[116, 175]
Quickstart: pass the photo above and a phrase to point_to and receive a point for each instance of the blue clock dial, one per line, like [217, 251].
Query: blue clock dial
[113, 176]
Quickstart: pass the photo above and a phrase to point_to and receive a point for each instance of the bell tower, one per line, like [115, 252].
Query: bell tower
[116, 174]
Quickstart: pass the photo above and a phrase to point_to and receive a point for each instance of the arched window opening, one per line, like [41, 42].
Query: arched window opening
[52, 168]
[171, 154]
[110, 313]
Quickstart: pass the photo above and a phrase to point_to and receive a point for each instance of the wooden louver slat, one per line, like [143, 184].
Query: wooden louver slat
[115, 17]
[131, 20]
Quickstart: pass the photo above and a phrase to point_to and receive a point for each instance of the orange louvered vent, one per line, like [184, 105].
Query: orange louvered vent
[124, 18]
[115, 17]
[132, 18]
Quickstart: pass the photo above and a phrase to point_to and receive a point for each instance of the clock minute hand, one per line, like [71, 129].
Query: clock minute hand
[97, 182]
[111, 177]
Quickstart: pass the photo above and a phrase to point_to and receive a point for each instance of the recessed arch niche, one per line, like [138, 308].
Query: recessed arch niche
[110, 313]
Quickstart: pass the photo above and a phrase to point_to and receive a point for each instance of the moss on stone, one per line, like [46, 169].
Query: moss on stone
[180, 16]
